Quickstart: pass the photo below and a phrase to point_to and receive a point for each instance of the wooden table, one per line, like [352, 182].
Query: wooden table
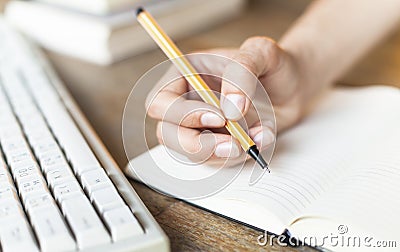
[101, 92]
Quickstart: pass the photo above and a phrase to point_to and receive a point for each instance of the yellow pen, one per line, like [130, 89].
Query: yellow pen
[194, 79]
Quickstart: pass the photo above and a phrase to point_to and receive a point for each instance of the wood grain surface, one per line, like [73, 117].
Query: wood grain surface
[102, 91]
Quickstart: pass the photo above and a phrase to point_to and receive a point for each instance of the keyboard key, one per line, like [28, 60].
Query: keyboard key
[94, 180]
[86, 225]
[44, 145]
[37, 136]
[74, 145]
[31, 120]
[67, 190]
[13, 144]
[106, 199]
[19, 157]
[51, 230]
[51, 156]
[38, 202]
[28, 163]
[9, 131]
[51, 159]
[9, 210]
[15, 235]
[5, 177]
[58, 175]
[26, 171]
[6, 118]
[122, 223]
[7, 191]
[31, 187]
[25, 109]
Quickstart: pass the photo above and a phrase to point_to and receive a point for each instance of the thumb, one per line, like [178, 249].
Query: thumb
[240, 77]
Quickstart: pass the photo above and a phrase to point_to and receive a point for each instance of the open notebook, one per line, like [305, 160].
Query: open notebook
[335, 173]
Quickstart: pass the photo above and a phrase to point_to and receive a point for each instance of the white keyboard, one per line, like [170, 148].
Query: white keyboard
[59, 188]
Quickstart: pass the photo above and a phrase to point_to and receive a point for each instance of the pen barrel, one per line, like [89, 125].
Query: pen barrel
[238, 132]
[195, 80]
[190, 74]
[176, 56]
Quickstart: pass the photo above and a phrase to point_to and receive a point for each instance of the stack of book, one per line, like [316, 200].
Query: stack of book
[106, 31]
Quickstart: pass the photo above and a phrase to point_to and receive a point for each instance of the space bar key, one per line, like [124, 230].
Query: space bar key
[70, 138]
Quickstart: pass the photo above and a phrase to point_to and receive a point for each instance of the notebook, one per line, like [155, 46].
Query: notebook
[336, 173]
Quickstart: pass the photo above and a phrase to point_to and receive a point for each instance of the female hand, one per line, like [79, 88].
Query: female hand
[183, 116]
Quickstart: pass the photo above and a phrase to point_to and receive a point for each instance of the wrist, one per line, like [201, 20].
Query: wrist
[312, 76]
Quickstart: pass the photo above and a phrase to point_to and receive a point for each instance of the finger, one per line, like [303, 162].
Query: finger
[173, 108]
[167, 102]
[263, 134]
[206, 62]
[255, 57]
[195, 144]
[172, 81]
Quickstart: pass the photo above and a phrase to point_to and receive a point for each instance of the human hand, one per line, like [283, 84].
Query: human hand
[183, 116]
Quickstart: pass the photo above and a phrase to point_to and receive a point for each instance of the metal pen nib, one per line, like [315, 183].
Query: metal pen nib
[255, 154]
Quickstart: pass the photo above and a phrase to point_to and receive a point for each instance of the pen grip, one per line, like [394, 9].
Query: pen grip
[190, 74]
[209, 97]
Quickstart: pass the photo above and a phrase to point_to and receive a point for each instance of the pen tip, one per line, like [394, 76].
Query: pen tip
[263, 164]
[139, 10]
[255, 154]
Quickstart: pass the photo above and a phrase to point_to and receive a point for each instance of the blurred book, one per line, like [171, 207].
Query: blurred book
[97, 7]
[104, 39]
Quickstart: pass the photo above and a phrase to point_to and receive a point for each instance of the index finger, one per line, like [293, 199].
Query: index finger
[167, 102]
[255, 57]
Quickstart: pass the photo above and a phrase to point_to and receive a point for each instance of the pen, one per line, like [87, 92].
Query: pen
[194, 79]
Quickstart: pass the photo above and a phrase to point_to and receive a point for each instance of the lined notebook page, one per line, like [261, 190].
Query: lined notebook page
[367, 195]
[310, 159]
[313, 157]
[366, 200]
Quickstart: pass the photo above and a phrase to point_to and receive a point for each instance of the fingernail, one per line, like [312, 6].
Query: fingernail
[233, 106]
[212, 120]
[264, 138]
[226, 150]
